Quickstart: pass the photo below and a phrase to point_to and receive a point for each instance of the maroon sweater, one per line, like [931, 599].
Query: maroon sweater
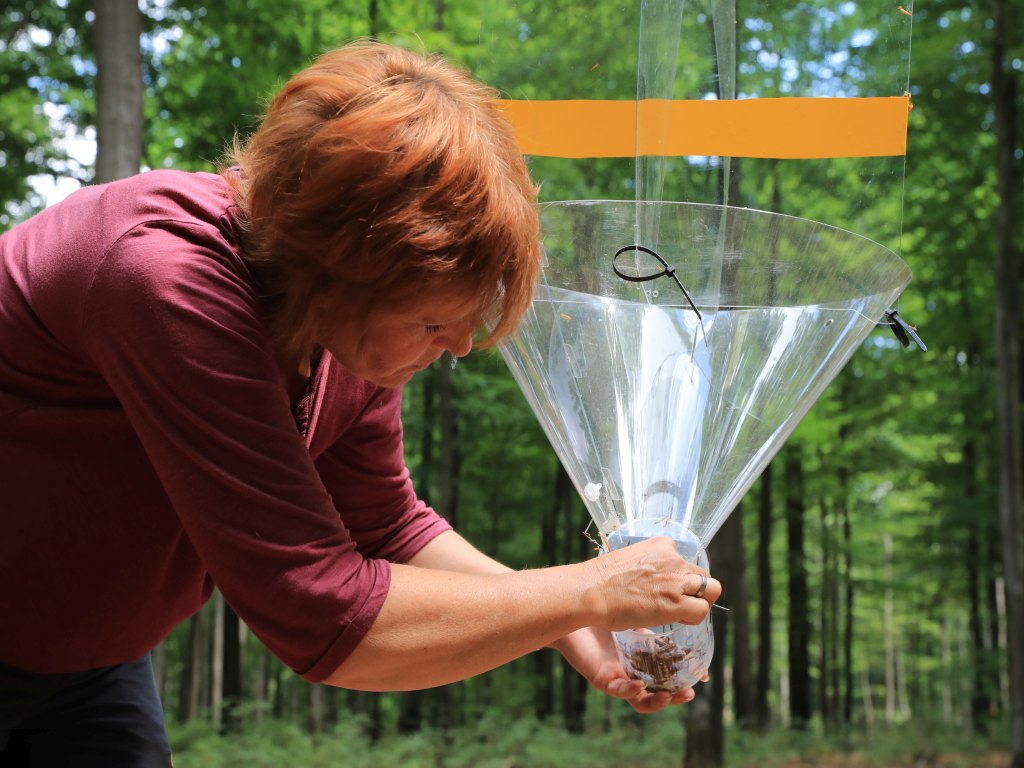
[148, 449]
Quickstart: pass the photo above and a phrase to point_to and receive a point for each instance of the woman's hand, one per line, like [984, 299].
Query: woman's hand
[591, 652]
[437, 625]
[648, 584]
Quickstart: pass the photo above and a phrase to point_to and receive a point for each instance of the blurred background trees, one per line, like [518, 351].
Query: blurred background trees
[869, 587]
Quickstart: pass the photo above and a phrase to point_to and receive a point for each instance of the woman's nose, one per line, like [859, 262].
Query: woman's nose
[460, 343]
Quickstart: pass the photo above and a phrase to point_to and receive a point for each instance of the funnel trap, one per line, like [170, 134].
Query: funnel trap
[672, 347]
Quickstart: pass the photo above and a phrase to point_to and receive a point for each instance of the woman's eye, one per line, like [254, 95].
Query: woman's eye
[433, 329]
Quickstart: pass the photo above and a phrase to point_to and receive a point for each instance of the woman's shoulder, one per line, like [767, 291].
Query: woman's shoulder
[167, 256]
[92, 219]
[170, 194]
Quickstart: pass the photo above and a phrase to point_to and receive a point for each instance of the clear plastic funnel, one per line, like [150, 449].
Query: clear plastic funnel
[665, 399]
[658, 412]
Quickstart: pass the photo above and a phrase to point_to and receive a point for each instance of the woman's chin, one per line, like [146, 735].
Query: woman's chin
[394, 378]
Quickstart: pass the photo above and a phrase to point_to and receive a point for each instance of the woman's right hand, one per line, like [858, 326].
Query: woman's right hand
[648, 584]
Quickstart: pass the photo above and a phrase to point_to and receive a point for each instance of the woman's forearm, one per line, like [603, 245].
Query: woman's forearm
[437, 626]
[451, 552]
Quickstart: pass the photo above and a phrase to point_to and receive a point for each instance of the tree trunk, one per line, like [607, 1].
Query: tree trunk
[705, 742]
[828, 700]
[261, 683]
[316, 709]
[441, 709]
[410, 711]
[577, 547]
[191, 668]
[374, 19]
[1011, 503]
[764, 600]
[981, 535]
[848, 694]
[205, 663]
[963, 678]
[411, 703]
[277, 708]
[427, 470]
[868, 699]
[295, 695]
[994, 667]
[331, 695]
[158, 657]
[367, 704]
[734, 571]
[903, 709]
[544, 659]
[839, 573]
[979, 699]
[979, 694]
[888, 633]
[217, 661]
[448, 505]
[799, 610]
[705, 729]
[232, 664]
[824, 621]
[119, 114]
[946, 659]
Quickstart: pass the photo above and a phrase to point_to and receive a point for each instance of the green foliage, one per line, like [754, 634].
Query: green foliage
[920, 743]
[45, 82]
[495, 741]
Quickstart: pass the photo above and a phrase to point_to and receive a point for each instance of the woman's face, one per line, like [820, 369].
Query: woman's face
[391, 344]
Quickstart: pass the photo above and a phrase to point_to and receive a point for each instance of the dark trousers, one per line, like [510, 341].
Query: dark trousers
[109, 717]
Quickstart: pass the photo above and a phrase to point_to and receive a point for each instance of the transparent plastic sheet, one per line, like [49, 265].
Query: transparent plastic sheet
[711, 50]
[657, 60]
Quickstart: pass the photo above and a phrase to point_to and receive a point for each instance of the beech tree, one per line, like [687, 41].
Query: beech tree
[119, 115]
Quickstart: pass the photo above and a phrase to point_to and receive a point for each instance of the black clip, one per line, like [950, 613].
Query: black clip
[665, 270]
[903, 330]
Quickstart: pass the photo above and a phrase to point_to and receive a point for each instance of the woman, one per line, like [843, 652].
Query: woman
[200, 383]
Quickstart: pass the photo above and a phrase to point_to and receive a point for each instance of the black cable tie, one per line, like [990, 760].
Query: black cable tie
[903, 330]
[666, 269]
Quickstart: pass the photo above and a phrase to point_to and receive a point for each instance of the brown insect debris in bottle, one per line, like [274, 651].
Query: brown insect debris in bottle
[659, 664]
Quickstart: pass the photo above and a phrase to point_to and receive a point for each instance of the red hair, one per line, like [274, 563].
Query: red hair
[375, 176]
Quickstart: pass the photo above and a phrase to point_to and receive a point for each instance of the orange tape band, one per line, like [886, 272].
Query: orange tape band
[784, 128]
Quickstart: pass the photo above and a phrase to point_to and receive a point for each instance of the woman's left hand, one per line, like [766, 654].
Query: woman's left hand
[591, 652]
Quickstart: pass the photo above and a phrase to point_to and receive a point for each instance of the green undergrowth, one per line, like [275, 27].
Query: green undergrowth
[494, 742]
[914, 744]
[491, 743]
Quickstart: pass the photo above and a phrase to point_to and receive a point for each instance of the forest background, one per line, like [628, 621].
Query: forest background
[874, 571]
